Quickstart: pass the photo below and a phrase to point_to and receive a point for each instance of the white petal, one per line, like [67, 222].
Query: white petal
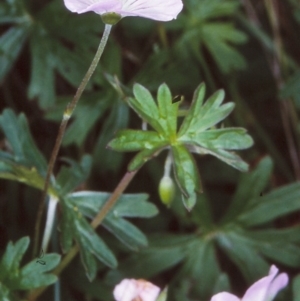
[126, 290]
[165, 10]
[148, 291]
[224, 296]
[98, 6]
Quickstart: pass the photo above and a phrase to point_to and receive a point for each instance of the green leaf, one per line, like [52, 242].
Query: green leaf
[195, 135]
[229, 158]
[296, 285]
[17, 132]
[164, 252]
[186, 175]
[129, 205]
[291, 89]
[70, 178]
[218, 38]
[277, 203]
[29, 176]
[243, 253]
[32, 275]
[134, 140]
[251, 185]
[91, 245]
[228, 138]
[41, 83]
[144, 105]
[201, 117]
[75, 226]
[127, 233]
[11, 43]
[167, 111]
[194, 110]
[11, 259]
[117, 119]
[142, 157]
[201, 263]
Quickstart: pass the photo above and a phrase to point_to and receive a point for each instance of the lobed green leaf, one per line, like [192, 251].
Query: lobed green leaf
[186, 175]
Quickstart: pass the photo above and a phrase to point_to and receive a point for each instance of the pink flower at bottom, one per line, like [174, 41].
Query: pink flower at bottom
[136, 290]
[264, 289]
[160, 10]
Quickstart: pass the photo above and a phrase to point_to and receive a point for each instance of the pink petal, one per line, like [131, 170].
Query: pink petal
[224, 297]
[278, 284]
[147, 290]
[258, 291]
[126, 290]
[98, 6]
[160, 10]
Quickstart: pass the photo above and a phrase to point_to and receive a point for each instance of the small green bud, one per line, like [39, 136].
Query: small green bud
[111, 18]
[166, 190]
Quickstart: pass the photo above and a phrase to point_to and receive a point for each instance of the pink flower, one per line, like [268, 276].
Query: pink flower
[136, 290]
[264, 289]
[160, 10]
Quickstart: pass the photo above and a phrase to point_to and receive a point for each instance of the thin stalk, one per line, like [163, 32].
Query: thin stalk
[49, 222]
[66, 116]
[95, 223]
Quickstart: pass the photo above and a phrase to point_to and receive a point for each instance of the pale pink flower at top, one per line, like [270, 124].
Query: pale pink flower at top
[264, 289]
[136, 290]
[160, 10]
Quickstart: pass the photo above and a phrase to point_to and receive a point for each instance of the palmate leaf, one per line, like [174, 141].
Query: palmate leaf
[32, 275]
[219, 38]
[194, 135]
[75, 227]
[129, 205]
[78, 205]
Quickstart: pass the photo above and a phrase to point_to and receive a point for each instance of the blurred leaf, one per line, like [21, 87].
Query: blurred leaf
[220, 38]
[42, 83]
[296, 291]
[118, 119]
[69, 178]
[18, 134]
[129, 205]
[31, 275]
[16, 172]
[277, 203]
[251, 185]
[291, 89]
[11, 43]
[75, 226]
[243, 253]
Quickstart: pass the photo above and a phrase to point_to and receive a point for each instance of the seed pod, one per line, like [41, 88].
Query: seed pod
[166, 190]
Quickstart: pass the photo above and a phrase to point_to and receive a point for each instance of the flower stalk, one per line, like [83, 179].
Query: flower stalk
[66, 116]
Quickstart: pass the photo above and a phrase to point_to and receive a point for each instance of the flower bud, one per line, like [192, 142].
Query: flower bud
[166, 190]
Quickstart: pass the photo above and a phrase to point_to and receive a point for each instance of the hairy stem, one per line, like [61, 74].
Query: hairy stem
[66, 116]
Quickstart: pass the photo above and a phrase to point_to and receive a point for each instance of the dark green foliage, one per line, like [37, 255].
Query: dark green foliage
[32, 275]
[246, 53]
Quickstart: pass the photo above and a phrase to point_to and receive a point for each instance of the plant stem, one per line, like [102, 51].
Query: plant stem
[66, 116]
[49, 222]
[95, 223]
